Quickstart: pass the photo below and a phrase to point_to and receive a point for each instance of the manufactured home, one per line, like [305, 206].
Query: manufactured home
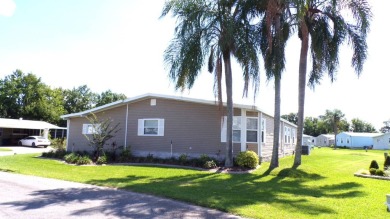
[356, 139]
[12, 130]
[325, 140]
[308, 140]
[168, 126]
[382, 142]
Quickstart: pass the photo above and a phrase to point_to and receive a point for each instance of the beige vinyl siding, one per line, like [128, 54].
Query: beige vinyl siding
[193, 128]
[78, 142]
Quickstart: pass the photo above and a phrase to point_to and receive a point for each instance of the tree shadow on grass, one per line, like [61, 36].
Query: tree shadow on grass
[229, 192]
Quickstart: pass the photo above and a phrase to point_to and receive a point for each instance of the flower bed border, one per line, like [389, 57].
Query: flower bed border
[372, 177]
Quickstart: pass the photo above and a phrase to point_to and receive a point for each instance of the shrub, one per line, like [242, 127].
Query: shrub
[149, 158]
[71, 158]
[102, 159]
[372, 171]
[59, 154]
[210, 164]
[125, 155]
[58, 143]
[374, 164]
[379, 172]
[248, 159]
[83, 160]
[387, 163]
[183, 158]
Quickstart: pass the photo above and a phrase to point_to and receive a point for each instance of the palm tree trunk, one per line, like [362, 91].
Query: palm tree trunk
[275, 149]
[277, 77]
[301, 91]
[229, 111]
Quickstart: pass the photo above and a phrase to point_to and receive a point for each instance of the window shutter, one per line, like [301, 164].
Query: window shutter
[223, 129]
[265, 131]
[85, 129]
[140, 127]
[161, 124]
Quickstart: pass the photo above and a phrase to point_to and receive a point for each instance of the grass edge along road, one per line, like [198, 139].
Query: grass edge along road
[322, 187]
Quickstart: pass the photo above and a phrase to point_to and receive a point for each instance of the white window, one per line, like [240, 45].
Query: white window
[251, 129]
[287, 134]
[89, 129]
[293, 136]
[236, 129]
[150, 127]
[263, 130]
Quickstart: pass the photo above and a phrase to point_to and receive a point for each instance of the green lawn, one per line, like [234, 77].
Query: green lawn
[5, 149]
[323, 187]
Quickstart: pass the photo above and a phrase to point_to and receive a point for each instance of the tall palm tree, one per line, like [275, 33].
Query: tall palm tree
[274, 32]
[211, 30]
[323, 22]
[333, 118]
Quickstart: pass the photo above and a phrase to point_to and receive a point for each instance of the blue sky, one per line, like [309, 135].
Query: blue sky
[119, 45]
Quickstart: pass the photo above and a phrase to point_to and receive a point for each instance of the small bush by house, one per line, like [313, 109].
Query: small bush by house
[248, 159]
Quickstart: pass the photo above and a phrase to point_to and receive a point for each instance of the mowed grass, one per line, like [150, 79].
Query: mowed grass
[322, 187]
[5, 149]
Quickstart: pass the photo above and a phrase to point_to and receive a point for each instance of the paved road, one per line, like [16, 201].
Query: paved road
[24, 196]
[23, 150]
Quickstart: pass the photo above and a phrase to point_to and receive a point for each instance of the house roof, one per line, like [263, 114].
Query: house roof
[161, 96]
[382, 135]
[26, 124]
[361, 134]
[307, 136]
[330, 136]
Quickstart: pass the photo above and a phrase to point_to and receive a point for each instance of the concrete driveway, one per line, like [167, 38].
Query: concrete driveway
[24, 196]
[23, 150]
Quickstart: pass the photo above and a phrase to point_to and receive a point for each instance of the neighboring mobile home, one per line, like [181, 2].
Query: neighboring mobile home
[356, 139]
[325, 140]
[168, 126]
[12, 130]
[308, 140]
[382, 142]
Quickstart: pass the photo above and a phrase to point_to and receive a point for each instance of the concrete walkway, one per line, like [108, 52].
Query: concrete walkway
[24, 196]
[23, 150]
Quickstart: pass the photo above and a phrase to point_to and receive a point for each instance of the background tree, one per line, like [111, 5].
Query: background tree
[79, 99]
[362, 126]
[291, 117]
[323, 22]
[26, 96]
[334, 119]
[211, 30]
[386, 127]
[108, 97]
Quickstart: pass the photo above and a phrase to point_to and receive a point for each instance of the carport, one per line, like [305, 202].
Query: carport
[12, 130]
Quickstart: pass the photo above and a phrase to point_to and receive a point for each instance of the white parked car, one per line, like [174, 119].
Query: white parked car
[34, 141]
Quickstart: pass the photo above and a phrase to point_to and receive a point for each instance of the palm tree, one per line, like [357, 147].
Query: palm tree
[322, 21]
[274, 32]
[212, 30]
[333, 118]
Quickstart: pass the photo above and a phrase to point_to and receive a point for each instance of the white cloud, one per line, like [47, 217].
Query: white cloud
[7, 8]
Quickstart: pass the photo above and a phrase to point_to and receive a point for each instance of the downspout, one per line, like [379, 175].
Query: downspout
[127, 117]
[243, 130]
[259, 142]
[67, 133]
